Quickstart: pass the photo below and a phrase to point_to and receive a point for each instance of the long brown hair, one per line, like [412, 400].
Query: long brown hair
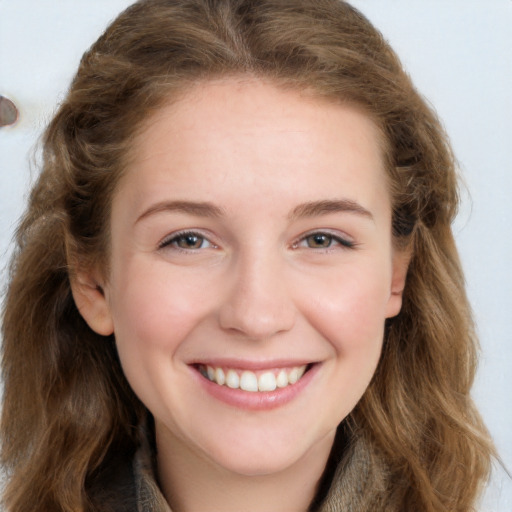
[68, 411]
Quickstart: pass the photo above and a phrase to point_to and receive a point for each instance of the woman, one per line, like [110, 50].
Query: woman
[236, 285]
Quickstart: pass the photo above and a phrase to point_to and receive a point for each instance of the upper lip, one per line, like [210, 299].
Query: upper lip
[253, 365]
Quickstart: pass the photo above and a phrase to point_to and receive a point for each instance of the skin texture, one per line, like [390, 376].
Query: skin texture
[253, 289]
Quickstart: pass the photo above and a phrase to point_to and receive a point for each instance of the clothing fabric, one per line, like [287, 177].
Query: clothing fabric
[148, 495]
[354, 480]
[341, 473]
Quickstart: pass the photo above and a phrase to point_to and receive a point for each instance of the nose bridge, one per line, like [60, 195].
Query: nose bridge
[258, 303]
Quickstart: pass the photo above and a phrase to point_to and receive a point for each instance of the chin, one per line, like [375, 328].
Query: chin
[262, 463]
[268, 452]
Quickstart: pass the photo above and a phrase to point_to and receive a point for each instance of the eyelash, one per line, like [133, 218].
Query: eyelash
[174, 239]
[333, 239]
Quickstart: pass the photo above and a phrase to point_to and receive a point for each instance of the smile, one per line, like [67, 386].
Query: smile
[246, 380]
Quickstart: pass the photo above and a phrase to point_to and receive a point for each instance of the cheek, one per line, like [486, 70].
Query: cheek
[153, 310]
[350, 310]
[153, 314]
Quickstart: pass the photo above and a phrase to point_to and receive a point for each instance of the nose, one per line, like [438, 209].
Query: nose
[258, 303]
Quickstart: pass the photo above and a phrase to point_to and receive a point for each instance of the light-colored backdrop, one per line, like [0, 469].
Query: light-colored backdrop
[459, 53]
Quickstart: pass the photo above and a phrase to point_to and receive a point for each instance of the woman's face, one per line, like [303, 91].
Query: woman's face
[252, 270]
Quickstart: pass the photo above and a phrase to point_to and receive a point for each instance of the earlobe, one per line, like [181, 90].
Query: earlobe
[401, 260]
[91, 302]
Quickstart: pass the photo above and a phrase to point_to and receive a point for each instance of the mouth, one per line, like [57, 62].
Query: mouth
[260, 381]
[254, 386]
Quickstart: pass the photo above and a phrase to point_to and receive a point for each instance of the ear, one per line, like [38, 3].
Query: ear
[401, 260]
[92, 303]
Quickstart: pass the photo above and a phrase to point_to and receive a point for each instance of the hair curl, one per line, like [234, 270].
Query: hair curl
[68, 411]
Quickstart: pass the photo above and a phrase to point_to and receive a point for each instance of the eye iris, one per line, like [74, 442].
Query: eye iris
[319, 240]
[190, 241]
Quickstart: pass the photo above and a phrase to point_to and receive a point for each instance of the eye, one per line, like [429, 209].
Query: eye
[323, 240]
[188, 240]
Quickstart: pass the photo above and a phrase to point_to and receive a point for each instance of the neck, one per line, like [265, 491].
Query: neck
[193, 483]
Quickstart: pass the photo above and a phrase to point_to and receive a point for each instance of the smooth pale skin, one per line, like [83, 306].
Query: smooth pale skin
[254, 289]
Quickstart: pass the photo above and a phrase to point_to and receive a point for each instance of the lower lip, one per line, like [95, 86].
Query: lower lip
[258, 400]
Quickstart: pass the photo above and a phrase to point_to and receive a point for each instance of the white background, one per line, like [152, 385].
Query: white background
[459, 53]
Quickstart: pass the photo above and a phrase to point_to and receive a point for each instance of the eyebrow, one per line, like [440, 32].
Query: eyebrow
[198, 209]
[316, 208]
[309, 209]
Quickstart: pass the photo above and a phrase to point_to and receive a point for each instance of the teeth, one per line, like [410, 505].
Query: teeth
[267, 382]
[232, 379]
[293, 376]
[282, 379]
[249, 381]
[220, 378]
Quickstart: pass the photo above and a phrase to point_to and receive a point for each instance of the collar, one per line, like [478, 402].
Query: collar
[148, 493]
[352, 486]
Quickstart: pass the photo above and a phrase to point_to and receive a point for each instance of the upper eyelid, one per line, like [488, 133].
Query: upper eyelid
[331, 232]
[336, 234]
[166, 240]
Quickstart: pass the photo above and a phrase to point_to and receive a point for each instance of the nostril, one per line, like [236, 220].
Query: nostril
[256, 321]
[257, 303]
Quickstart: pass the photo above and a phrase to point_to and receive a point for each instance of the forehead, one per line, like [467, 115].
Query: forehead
[248, 103]
[260, 135]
